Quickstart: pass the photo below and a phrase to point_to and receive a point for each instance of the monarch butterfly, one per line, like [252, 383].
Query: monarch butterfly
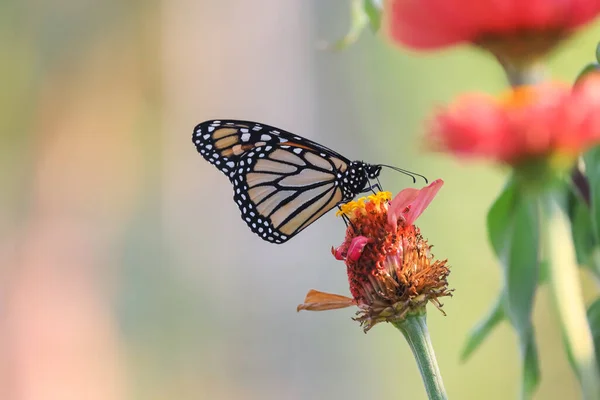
[282, 182]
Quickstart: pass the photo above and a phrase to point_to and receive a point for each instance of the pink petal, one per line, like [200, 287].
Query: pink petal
[410, 203]
[399, 204]
[356, 247]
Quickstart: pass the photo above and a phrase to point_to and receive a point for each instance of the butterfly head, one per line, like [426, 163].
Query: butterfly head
[372, 171]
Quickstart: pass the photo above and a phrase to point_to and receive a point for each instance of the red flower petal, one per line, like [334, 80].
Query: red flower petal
[424, 24]
[528, 122]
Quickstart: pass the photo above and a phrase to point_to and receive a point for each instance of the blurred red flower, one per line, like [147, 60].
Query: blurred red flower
[429, 24]
[391, 271]
[545, 121]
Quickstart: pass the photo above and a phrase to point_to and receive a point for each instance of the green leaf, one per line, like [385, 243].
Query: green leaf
[513, 229]
[531, 370]
[582, 230]
[543, 273]
[587, 247]
[521, 263]
[482, 330]
[593, 316]
[496, 221]
[592, 171]
[373, 10]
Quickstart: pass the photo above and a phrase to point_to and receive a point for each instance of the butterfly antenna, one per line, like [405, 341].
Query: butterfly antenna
[413, 175]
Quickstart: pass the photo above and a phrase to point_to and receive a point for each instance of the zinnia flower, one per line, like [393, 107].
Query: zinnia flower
[511, 28]
[391, 270]
[549, 123]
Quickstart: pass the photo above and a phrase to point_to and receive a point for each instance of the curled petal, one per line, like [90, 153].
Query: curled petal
[356, 247]
[321, 301]
[339, 253]
[410, 203]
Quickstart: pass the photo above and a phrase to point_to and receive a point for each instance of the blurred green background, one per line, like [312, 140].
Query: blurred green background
[126, 272]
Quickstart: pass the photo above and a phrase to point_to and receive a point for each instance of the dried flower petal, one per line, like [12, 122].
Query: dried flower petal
[321, 301]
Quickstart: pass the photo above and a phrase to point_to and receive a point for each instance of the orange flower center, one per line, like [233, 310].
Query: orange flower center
[517, 98]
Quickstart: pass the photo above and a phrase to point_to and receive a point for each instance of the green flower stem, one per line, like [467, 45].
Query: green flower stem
[522, 75]
[568, 297]
[414, 329]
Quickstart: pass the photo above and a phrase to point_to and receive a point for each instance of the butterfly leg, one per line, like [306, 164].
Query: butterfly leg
[346, 219]
[373, 187]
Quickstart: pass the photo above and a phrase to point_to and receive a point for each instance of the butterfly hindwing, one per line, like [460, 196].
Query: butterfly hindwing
[279, 192]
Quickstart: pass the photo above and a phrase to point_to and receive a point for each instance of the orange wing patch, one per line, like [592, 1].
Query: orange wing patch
[222, 132]
[300, 145]
[237, 150]
[226, 142]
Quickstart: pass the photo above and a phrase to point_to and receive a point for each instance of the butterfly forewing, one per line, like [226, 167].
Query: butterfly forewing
[282, 182]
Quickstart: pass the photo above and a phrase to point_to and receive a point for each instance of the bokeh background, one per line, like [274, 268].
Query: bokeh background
[125, 271]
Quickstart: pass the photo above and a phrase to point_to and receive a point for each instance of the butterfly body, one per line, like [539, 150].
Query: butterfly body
[282, 182]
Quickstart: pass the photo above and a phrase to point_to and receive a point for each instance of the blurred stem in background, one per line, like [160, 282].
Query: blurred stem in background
[567, 294]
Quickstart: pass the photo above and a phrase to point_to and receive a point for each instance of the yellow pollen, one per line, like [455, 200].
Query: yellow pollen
[377, 198]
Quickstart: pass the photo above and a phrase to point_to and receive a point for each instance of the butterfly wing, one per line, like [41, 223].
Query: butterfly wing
[282, 182]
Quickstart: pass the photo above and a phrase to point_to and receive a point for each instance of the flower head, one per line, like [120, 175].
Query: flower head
[548, 123]
[391, 270]
[528, 28]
